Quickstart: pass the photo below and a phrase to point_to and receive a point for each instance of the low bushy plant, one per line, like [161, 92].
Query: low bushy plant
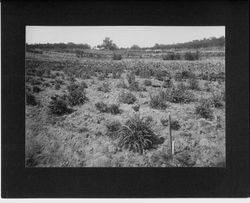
[36, 89]
[127, 97]
[77, 94]
[204, 110]
[58, 106]
[159, 100]
[180, 95]
[147, 82]
[113, 129]
[104, 108]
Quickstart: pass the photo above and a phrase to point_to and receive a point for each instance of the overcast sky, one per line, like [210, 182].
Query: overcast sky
[123, 36]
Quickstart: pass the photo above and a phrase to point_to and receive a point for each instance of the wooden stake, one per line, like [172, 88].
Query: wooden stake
[170, 134]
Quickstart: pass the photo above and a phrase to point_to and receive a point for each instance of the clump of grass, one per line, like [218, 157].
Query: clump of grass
[77, 94]
[136, 135]
[147, 82]
[104, 87]
[159, 100]
[58, 106]
[127, 97]
[104, 108]
[30, 99]
[204, 110]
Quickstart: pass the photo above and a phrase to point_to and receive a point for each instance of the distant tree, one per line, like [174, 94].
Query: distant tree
[108, 44]
[135, 47]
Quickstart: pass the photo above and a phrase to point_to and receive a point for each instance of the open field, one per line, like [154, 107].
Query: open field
[90, 112]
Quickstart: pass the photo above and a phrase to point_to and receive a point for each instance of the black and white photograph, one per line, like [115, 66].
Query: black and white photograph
[125, 96]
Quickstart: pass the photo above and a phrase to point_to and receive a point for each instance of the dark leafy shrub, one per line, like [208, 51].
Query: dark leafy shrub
[204, 110]
[77, 94]
[36, 89]
[114, 109]
[30, 99]
[158, 101]
[191, 56]
[131, 77]
[175, 125]
[167, 83]
[104, 108]
[113, 128]
[193, 84]
[117, 57]
[147, 82]
[58, 106]
[127, 97]
[137, 135]
[104, 88]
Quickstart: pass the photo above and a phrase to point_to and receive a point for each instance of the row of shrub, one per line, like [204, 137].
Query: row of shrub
[190, 56]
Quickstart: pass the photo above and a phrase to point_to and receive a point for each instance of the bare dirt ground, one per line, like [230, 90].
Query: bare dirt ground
[79, 139]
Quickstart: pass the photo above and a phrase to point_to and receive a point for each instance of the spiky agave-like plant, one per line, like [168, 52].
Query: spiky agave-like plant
[136, 135]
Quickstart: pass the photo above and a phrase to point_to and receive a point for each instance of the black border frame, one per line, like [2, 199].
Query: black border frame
[232, 181]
